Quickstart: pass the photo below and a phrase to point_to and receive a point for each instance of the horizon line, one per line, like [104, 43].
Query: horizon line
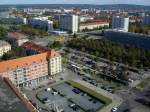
[70, 4]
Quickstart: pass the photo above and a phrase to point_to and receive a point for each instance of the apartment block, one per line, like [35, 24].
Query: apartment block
[93, 24]
[146, 20]
[69, 23]
[120, 23]
[41, 22]
[30, 70]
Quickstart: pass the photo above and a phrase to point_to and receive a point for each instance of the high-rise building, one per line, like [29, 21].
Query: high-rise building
[146, 20]
[30, 70]
[120, 23]
[69, 23]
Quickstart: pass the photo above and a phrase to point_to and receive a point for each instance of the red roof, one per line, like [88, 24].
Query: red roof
[98, 20]
[26, 61]
[17, 35]
[93, 22]
[33, 46]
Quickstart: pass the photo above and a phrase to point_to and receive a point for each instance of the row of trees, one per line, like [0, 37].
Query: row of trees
[55, 44]
[3, 32]
[56, 23]
[113, 51]
[138, 28]
[27, 29]
[16, 52]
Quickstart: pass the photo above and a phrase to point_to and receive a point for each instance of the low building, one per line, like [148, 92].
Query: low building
[17, 39]
[32, 48]
[134, 39]
[93, 24]
[85, 18]
[30, 70]
[14, 20]
[4, 47]
[57, 32]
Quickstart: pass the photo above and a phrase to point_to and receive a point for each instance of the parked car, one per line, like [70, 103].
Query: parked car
[114, 109]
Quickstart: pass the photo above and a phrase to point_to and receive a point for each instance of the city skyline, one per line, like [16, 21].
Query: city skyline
[101, 2]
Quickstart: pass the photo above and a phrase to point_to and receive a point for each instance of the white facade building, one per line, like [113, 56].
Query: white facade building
[93, 25]
[69, 23]
[85, 18]
[4, 47]
[120, 23]
[41, 22]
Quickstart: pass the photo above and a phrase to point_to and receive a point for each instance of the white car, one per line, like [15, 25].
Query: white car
[114, 109]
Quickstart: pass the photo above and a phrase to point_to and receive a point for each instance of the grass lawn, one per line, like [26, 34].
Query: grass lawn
[93, 93]
[143, 83]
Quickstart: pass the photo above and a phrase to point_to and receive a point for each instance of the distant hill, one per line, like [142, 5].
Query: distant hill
[111, 7]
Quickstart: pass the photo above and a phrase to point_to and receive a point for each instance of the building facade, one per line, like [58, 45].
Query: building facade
[30, 70]
[16, 38]
[41, 22]
[92, 25]
[134, 39]
[69, 23]
[4, 47]
[86, 18]
[120, 23]
[146, 20]
[32, 48]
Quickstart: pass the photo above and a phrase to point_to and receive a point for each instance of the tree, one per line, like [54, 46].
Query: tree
[3, 32]
[126, 54]
[14, 53]
[33, 31]
[56, 24]
[74, 35]
[55, 44]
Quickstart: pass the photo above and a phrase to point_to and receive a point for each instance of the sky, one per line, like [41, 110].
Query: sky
[138, 2]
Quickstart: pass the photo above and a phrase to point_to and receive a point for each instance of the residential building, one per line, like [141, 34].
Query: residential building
[41, 22]
[69, 23]
[32, 48]
[4, 47]
[134, 39]
[146, 20]
[14, 20]
[34, 11]
[85, 18]
[30, 70]
[16, 38]
[120, 23]
[10, 95]
[93, 24]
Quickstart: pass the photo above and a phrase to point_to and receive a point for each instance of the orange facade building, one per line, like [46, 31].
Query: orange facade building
[30, 70]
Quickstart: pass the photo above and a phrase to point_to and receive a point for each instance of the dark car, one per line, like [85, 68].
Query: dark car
[77, 91]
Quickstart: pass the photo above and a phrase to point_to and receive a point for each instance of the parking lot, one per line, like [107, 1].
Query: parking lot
[68, 99]
[84, 63]
[109, 88]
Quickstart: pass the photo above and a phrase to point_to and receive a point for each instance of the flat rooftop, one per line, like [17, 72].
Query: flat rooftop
[9, 102]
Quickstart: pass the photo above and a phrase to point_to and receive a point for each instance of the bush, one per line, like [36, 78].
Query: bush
[100, 97]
